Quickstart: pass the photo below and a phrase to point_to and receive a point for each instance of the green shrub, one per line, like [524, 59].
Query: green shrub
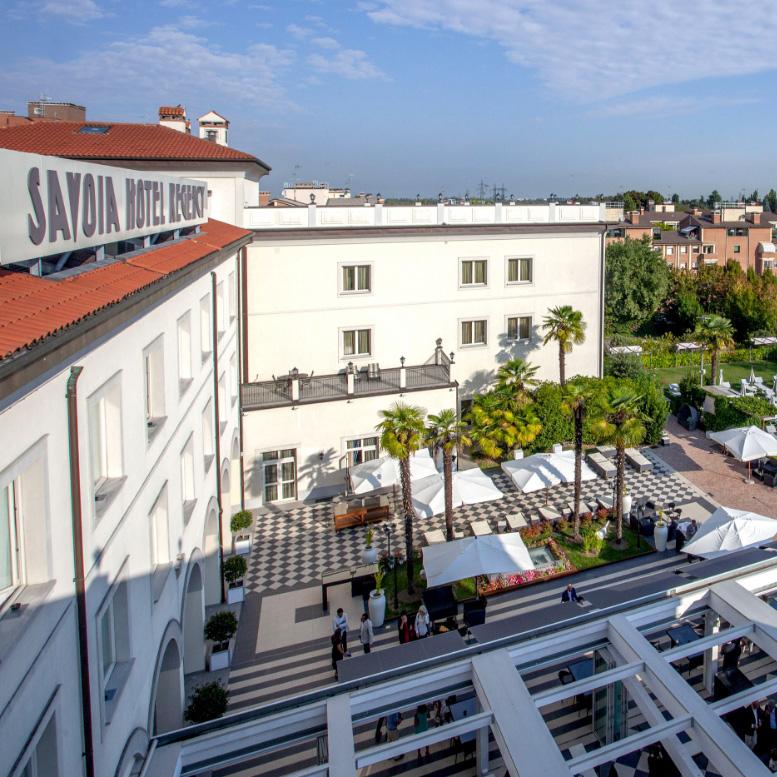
[655, 408]
[556, 426]
[737, 411]
[208, 702]
[221, 627]
[592, 542]
[241, 521]
[235, 568]
[624, 365]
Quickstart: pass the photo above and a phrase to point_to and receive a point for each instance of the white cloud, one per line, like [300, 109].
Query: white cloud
[348, 63]
[661, 106]
[133, 75]
[326, 43]
[299, 32]
[75, 11]
[591, 49]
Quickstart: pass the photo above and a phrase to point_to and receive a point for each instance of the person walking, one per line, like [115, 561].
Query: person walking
[338, 649]
[393, 719]
[366, 634]
[340, 623]
[421, 726]
[405, 630]
[423, 623]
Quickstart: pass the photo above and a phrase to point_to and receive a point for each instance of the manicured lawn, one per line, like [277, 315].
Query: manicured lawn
[634, 547]
[733, 372]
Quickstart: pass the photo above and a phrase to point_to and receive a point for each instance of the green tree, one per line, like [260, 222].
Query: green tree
[619, 423]
[576, 398]
[516, 376]
[500, 421]
[637, 283]
[771, 200]
[716, 334]
[566, 326]
[446, 433]
[714, 198]
[402, 433]
[546, 405]
[676, 198]
[629, 203]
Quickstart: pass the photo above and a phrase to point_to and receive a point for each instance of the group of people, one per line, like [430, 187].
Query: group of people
[757, 726]
[419, 628]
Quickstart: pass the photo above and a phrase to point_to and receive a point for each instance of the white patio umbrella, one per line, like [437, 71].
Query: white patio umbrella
[752, 375]
[384, 471]
[492, 554]
[728, 529]
[746, 443]
[543, 470]
[720, 376]
[470, 486]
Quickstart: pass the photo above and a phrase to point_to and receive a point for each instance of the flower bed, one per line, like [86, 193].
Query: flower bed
[501, 583]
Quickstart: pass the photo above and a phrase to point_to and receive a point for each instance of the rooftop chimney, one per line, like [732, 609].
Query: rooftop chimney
[716, 216]
[174, 117]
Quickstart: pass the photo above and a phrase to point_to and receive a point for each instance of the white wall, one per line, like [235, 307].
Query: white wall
[319, 428]
[295, 311]
[119, 542]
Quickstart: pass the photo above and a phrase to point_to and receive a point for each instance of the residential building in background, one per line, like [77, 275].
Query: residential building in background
[316, 192]
[49, 110]
[214, 128]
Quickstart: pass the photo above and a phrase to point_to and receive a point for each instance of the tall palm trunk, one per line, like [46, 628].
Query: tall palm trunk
[562, 373]
[447, 471]
[579, 411]
[407, 508]
[620, 482]
[714, 366]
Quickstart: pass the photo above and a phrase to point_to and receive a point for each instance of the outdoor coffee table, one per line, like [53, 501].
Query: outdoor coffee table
[480, 528]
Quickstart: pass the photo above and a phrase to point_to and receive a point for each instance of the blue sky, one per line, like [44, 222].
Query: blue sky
[406, 96]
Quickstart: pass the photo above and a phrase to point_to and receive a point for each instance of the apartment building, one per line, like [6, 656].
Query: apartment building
[119, 353]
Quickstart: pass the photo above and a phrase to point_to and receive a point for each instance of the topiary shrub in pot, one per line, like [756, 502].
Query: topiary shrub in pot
[208, 702]
[235, 568]
[239, 524]
[220, 629]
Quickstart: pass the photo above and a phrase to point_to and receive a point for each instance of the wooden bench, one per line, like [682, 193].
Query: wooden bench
[347, 516]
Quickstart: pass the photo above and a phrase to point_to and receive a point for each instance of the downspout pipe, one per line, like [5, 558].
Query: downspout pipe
[217, 425]
[602, 292]
[78, 567]
[241, 376]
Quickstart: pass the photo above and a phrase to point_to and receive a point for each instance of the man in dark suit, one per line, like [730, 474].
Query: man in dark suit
[569, 594]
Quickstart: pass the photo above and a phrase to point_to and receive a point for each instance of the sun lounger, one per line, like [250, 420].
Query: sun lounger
[638, 461]
[608, 451]
[585, 507]
[549, 513]
[480, 528]
[601, 465]
[605, 502]
[434, 536]
[516, 521]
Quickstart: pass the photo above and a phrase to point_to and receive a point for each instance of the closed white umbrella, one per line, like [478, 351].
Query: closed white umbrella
[470, 486]
[492, 554]
[543, 470]
[384, 471]
[728, 530]
[746, 443]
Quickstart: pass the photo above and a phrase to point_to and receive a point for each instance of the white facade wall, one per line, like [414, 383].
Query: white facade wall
[319, 433]
[117, 544]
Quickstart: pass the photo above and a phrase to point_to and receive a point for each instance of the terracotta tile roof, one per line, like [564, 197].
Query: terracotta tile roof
[121, 141]
[33, 308]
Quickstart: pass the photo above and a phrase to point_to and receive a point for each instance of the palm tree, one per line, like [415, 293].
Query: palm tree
[716, 334]
[566, 326]
[402, 433]
[500, 422]
[574, 404]
[517, 375]
[621, 424]
[446, 433]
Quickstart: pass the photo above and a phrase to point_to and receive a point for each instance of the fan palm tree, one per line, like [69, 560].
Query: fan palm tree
[566, 326]
[499, 422]
[716, 334]
[402, 433]
[446, 433]
[621, 424]
[517, 376]
[576, 397]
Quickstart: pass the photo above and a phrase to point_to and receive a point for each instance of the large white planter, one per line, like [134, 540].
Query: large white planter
[369, 555]
[220, 659]
[627, 502]
[243, 545]
[235, 595]
[659, 536]
[377, 608]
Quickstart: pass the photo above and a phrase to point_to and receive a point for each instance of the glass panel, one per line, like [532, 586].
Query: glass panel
[512, 328]
[106, 636]
[349, 342]
[271, 473]
[349, 278]
[525, 329]
[466, 272]
[364, 277]
[288, 490]
[466, 332]
[525, 270]
[480, 272]
[480, 332]
[270, 493]
[287, 470]
[270, 456]
[512, 270]
[288, 453]
[6, 539]
[352, 443]
[364, 341]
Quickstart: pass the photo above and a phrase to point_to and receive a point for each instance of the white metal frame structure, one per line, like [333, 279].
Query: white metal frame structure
[506, 708]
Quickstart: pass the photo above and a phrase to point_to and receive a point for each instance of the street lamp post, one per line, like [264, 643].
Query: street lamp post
[388, 530]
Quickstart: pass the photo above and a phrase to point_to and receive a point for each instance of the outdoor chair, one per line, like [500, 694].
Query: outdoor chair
[565, 677]
[475, 612]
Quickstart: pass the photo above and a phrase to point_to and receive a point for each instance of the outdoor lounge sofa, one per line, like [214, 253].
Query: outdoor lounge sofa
[359, 512]
[440, 602]
[601, 465]
[638, 461]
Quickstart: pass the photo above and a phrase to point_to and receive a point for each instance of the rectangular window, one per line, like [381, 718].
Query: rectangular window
[474, 332]
[43, 761]
[184, 351]
[708, 249]
[669, 250]
[683, 249]
[188, 496]
[232, 287]
[221, 317]
[361, 449]
[233, 380]
[10, 544]
[154, 386]
[222, 402]
[696, 249]
[519, 328]
[737, 249]
[205, 327]
[279, 474]
[114, 641]
[107, 641]
[160, 531]
[356, 278]
[519, 269]
[357, 342]
[207, 434]
[105, 445]
[474, 272]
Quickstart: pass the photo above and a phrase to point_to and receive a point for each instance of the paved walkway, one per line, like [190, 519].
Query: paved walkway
[718, 476]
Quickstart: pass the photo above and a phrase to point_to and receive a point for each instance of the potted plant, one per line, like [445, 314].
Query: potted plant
[235, 568]
[377, 601]
[241, 521]
[660, 532]
[208, 702]
[220, 629]
[627, 502]
[370, 553]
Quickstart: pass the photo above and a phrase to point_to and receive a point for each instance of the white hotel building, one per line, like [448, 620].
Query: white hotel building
[128, 439]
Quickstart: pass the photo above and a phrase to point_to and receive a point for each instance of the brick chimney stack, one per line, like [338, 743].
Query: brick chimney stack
[174, 117]
[716, 216]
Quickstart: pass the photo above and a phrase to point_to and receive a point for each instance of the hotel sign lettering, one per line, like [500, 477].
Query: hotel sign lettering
[66, 205]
